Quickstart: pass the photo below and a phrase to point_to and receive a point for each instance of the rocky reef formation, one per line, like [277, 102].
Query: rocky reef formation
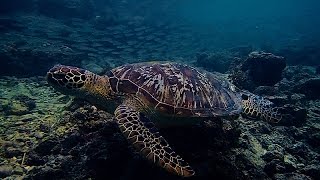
[258, 69]
[28, 114]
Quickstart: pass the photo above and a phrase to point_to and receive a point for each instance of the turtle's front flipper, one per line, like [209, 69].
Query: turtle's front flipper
[259, 107]
[140, 131]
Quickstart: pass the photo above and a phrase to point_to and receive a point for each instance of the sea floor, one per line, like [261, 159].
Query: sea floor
[45, 134]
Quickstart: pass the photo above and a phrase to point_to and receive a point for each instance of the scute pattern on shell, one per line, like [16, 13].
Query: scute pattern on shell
[179, 89]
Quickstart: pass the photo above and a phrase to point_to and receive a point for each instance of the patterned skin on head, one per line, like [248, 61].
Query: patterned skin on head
[82, 84]
[67, 77]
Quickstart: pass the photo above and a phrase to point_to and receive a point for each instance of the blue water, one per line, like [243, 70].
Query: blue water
[274, 22]
[230, 23]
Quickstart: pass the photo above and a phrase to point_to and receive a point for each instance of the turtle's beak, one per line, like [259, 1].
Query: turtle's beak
[56, 77]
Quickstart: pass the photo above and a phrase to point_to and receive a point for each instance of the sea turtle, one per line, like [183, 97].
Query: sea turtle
[146, 94]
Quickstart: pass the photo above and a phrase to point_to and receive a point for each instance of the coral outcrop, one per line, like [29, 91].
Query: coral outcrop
[259, 69]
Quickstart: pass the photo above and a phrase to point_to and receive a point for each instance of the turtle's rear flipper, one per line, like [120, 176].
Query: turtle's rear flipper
[145, 138]
[258, 107]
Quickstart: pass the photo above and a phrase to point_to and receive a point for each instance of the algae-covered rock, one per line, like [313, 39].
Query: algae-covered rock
[291, 162]
[5, 170]
[291, 176]
[12, 152]
[17, 108]
[274, 166]
[274, 152]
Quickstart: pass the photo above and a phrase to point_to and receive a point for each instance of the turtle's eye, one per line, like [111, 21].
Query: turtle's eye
[66, 76]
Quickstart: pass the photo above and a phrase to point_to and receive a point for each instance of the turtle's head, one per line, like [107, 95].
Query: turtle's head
[67, 78]
[79, 82]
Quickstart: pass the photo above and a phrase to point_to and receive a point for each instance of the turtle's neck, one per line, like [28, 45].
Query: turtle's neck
[98, 92]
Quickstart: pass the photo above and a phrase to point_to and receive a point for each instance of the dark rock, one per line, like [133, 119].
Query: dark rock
[298, 73]
[291, 163]
[241, 80]
[46, 147]
[70, 142]
[300, 149]
[271, 155]
[310, 87]
[35, 160]
[275, 151]
[12, 152]
[259, 127]
[259, 69]
[292, 116]
[265, 91]
[274, 166]
[291, 176]
[312, 171]
[297, 97]
[285, 86]
[46, 172]
[313, 139]
[220, 166]
[264, 68]
[44, 128]
[5, 171]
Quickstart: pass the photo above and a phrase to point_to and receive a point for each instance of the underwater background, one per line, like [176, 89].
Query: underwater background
[271, 48]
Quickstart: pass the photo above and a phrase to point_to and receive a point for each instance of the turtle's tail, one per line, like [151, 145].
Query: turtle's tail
[258, 107]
